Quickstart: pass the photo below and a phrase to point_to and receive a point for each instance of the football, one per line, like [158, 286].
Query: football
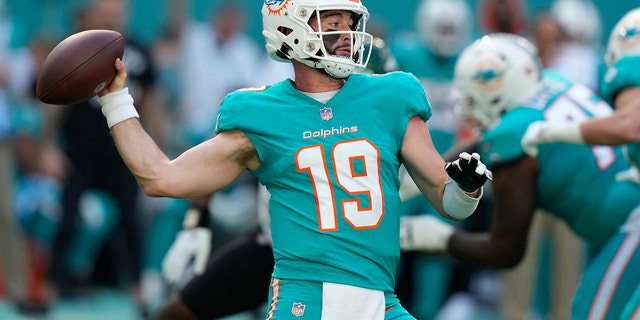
[79, 67]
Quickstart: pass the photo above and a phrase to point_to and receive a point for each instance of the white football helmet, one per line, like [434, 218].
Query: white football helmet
[444, 25]
[493, 75]
[579, 19]
[288, 34]
[624, 39]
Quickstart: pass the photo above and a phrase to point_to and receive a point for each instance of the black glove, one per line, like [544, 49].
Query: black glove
[468, 172]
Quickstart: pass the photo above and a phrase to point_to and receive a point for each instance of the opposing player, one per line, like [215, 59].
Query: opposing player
[620, 86]
[502, 89]
[235, 276]
[328, 147]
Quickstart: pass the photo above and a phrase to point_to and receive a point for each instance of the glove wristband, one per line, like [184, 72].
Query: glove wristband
[417, 234]
[457, 203]
[564, 131]
[118, 106]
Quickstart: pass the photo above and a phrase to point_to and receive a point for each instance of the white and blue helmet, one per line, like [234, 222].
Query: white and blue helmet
[624, 39]
[494, 74]
[579, 19]
[445, 25]
[288, 34]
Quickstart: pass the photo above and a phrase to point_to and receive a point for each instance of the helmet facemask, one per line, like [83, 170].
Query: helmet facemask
[339, 66]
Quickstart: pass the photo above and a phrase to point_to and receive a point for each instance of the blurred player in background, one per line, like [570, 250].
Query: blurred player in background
[544, 283]
[217, 57]
[502, 87]
[508, 16]
[578, 52]
[620, 86]
[14, 249]
[442, 29]
[235, 276]
[95, 164]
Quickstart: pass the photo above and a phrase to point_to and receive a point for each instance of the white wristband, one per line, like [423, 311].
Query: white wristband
[562, 131]
[457, 203]
[118, 106]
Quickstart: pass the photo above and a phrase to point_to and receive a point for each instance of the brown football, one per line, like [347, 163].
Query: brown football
[79, 67]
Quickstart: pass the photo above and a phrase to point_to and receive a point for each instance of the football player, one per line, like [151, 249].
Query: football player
[328, 147]
[619, 86]
[502, 88]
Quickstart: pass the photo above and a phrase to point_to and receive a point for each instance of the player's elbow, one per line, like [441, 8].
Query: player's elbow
[159, 188]
[509, 261]
[153, 189]
[625, 124]
[170, 189]
[629, 129]
[508, 257]
[505, 262]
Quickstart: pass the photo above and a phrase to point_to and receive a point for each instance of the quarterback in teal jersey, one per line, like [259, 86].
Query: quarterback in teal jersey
[328, 146]
[619, 86]
[501, 87]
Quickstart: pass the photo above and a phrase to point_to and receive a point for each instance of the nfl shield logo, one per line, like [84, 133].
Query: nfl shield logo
[298, 309]
[326, 113]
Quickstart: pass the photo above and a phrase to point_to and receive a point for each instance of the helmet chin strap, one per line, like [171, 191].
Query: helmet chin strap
[324, 70]
[320, 67]
[333, 68]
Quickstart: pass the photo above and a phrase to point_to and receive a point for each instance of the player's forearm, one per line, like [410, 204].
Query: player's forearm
[423, 163]
[613, 130]
[623, 126]
[480, 249]
[142, 156]
[514, 201]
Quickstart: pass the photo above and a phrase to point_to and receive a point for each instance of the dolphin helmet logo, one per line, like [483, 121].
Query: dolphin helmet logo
[276, 6]
[489, 75]
[629, 36]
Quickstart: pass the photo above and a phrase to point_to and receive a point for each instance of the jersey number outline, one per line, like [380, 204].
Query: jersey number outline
[311, 159]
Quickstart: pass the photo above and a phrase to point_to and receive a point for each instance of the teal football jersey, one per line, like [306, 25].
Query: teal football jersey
[575, 182]
[332, 170]
[622, 74]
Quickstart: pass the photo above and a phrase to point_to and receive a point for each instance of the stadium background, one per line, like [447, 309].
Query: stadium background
[147, 18]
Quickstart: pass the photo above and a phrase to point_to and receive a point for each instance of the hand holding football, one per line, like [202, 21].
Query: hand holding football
[79, 67]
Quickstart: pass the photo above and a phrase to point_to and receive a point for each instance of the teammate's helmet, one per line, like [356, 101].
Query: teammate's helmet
[444, 25]
[493, 75]
[288, 34]
[579, 20]
[625, 38]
